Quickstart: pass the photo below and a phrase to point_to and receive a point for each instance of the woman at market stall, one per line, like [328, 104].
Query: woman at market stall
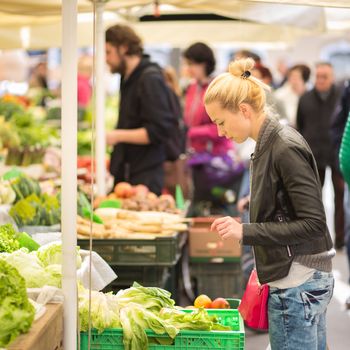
[206, 148]
[287, 229]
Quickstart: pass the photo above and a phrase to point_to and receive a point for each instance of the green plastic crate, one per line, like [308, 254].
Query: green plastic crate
[217, 279]
[112, 339]
[161, 251]
[148, 276]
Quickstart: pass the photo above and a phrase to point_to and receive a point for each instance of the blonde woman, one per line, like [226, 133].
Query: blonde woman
[287, 229]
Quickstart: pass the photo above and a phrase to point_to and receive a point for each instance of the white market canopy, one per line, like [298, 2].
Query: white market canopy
[37, 23]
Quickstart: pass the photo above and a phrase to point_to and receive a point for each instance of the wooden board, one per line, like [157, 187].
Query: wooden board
[45, 334]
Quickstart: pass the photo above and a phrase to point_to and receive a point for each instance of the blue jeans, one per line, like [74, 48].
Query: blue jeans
[297, 316]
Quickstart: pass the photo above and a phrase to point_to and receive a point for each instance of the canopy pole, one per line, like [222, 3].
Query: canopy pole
[69, 171]
[100, 100]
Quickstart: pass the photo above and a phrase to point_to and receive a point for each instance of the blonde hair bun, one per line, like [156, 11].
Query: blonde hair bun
[238, 67]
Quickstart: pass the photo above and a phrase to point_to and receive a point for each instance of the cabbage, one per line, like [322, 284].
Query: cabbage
[104, 310]
[135, 319]
[16, 312]
[52, 254]
[30, 267]
[151, 298]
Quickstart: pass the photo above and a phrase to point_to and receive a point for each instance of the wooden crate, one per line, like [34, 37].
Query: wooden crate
[45, 334]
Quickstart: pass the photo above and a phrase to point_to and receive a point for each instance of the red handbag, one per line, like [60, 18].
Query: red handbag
[253, 306]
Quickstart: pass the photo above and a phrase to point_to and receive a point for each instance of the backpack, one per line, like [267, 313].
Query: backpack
[176, 143]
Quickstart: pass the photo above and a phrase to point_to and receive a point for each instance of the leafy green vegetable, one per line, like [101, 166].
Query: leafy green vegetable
[104, 310]
[52, 254]
[31, 268]
[24, 186]
[24, 212]
[16, 312]
[8, 241]
[25, 241]
[8, 109]
[33, 210]
[197, 320]
[135, 319]
[151, 298]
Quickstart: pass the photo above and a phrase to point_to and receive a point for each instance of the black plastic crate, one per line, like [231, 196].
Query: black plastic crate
[161, 251]
[217, 279]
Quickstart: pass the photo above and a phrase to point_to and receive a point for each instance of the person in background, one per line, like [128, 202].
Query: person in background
[204, 143]
[293, 88]
[314, 118]
[38, 78]
[145, 113]
[341, 115]
[176, 172]
[264, 74]
[287, 229]
[84, 81]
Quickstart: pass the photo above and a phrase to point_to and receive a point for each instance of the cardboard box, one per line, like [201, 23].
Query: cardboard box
[204, 243]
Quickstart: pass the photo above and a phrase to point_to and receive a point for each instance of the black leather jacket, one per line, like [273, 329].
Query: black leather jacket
[287, 217]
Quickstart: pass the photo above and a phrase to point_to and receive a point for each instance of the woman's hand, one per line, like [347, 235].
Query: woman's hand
[228, 227]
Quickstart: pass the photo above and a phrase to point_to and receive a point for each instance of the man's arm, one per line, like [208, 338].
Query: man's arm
[134, 136]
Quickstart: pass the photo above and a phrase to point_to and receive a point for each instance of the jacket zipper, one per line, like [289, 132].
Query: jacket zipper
[251, 191]
[280, 219]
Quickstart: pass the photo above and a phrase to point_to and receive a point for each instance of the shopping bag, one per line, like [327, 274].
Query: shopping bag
[253, 306]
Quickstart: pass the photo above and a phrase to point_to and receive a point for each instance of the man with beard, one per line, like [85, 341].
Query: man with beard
[145, 114]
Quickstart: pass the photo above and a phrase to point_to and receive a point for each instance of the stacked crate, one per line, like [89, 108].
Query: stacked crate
[215, 264]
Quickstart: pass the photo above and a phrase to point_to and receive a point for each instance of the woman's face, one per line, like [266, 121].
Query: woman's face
[232, 125]
[195, 70]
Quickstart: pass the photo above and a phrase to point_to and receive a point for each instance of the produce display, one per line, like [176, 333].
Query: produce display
[118, 223]
[204, 301]
[139, 308]
[139, 198]
[41, 267]
[25, 139]
[11, 240]
[16, 312]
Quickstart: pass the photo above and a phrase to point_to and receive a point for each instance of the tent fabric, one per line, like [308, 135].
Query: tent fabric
[262, 20]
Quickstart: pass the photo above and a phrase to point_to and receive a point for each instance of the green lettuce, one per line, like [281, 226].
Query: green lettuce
[104, 310]
[16, 312]
[135, 319]
[30, 267]
[151, 298]
[8, 241]
[196, 320]
[52, 254]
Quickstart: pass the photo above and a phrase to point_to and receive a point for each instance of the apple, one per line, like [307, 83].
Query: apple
[219, 303]
[123, 190]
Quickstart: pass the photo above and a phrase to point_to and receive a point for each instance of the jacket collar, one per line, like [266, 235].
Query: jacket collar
[144, 62]
[267, 132]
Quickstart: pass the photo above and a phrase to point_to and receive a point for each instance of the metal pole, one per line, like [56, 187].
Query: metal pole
[100, 100]
[69, 171]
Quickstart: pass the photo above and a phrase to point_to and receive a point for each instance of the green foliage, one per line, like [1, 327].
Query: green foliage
[33, 210]
[8, 241]
[16, 312]
[24, 186]
[33, 271]
[8, 109]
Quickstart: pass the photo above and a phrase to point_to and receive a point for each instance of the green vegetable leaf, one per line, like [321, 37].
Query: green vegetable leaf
[16, 312]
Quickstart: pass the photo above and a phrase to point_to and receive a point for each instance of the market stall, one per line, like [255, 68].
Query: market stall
[125, 237]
